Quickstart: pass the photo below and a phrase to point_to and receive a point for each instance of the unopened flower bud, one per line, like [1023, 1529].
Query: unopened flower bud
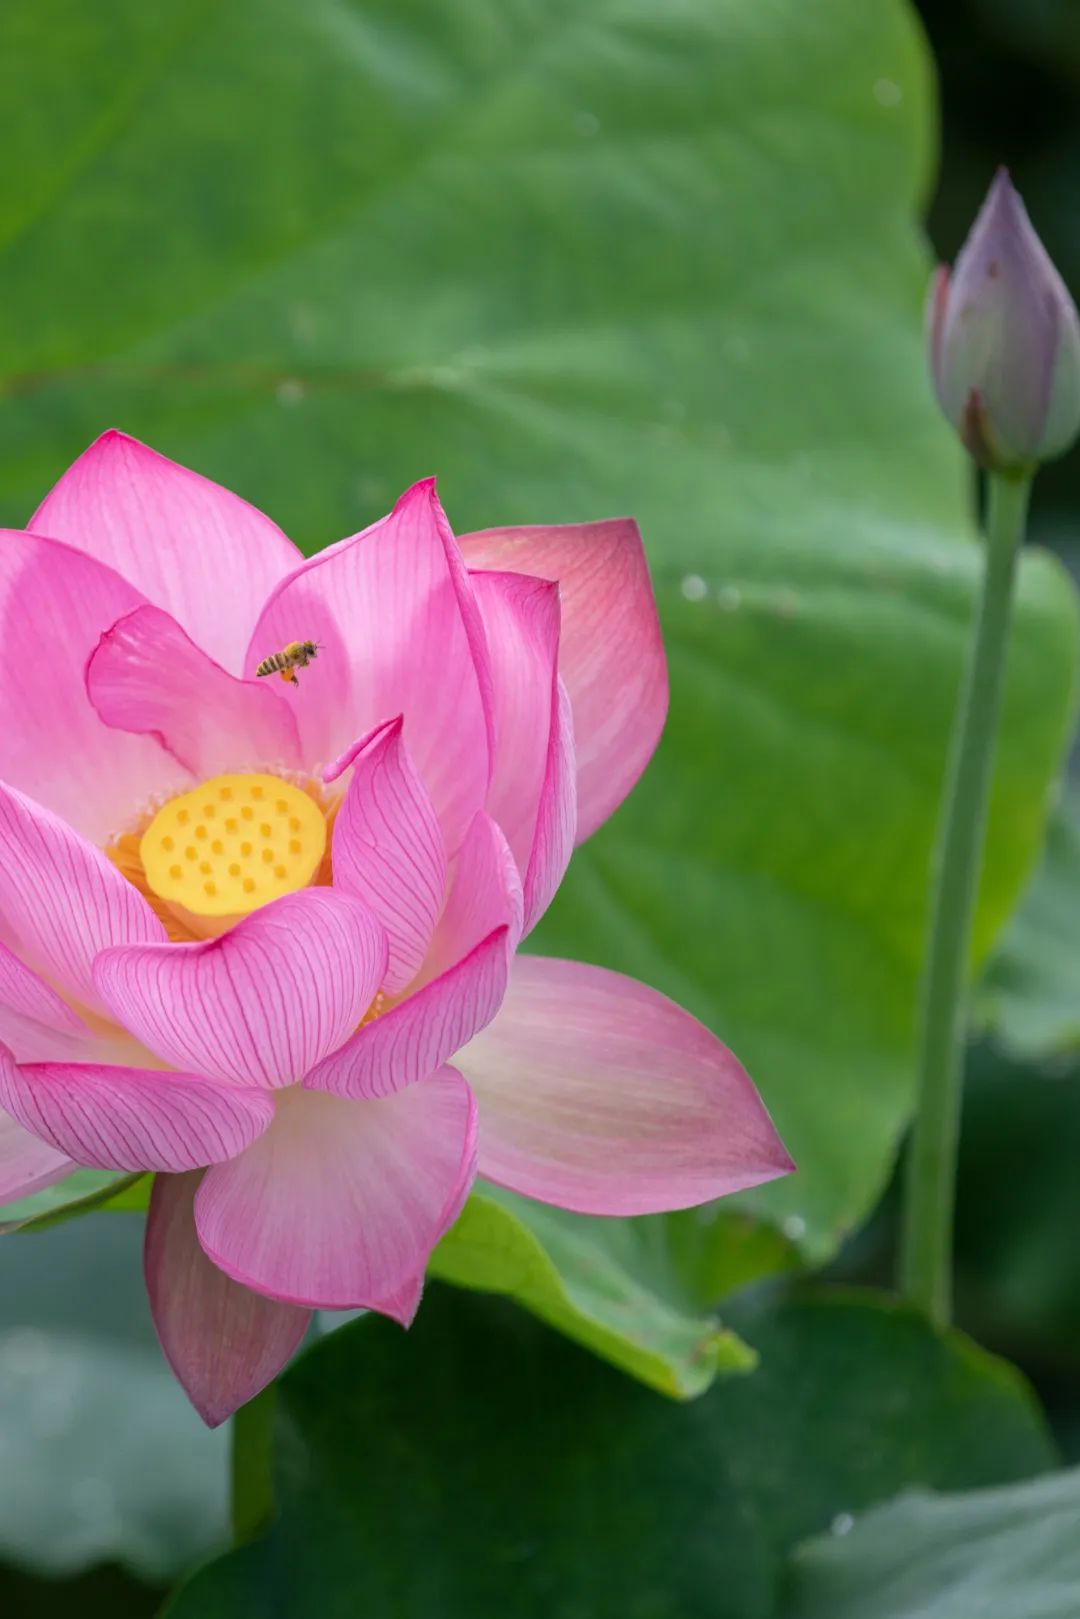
[1005, 341]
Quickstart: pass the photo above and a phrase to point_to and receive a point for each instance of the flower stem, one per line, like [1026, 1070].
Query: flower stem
[926, 1244]
[252, 1466]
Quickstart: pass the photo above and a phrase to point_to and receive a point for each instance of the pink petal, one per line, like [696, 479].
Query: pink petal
[61, 900]
[418, 1035]
[27, 1163]
[388, 849]
[398, 632]
[532, 793]
[484, 894]
[188, 545]
[54, 604]
[598, 1094]
[937, 304]
[132, 1118]
[403, 1305]
[38, 1025]
[611, 654]
[148, 677]
[339, 1205]
[521, 621]
[262, 1003]
[471, 950]
[223, 1341]
[556, 819]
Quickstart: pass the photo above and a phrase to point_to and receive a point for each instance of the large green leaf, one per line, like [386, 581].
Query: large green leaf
[535, 1481]
[103, 1458]
[80, 1193]
[579, 256]
[595, 1281]
[993, 1554]
[1030, 995]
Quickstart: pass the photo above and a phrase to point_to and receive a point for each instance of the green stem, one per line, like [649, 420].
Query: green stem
[252, 1466]
[926, 1246]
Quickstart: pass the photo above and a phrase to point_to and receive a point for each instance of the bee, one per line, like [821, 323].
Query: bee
[297, 655]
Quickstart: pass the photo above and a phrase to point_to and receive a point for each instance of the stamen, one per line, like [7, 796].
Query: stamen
[375, 1010]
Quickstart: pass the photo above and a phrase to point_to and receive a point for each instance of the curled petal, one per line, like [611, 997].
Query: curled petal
[598, 1094]
[341, 1202]
[398, 633]
[132, 1118]
[147, 676]
[521, 621]
[611, 655]
[484, 894]
[263, 1002]
[26, 1162]
[223, 1341]
[54, 604]
[459, 990]
[61, 900]
[388, 849]
[532, 793]
[186, 544]
[419, 1034]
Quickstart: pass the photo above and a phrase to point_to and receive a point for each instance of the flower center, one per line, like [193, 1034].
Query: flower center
[233, 844]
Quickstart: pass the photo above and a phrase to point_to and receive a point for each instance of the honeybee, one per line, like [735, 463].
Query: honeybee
[297, 655]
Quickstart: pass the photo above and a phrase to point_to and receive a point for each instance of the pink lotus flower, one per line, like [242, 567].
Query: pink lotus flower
[245, 927]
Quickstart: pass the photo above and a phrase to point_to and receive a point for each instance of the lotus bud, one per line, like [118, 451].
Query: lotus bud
[1004, 341]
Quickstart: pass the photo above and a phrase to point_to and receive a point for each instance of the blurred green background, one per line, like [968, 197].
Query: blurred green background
[579, 259]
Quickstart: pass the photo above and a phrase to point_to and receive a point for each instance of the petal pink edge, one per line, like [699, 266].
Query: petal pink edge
[600, 1095]
[223, 1342]
[169, 530]
[402, 1299]
[611, 650]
